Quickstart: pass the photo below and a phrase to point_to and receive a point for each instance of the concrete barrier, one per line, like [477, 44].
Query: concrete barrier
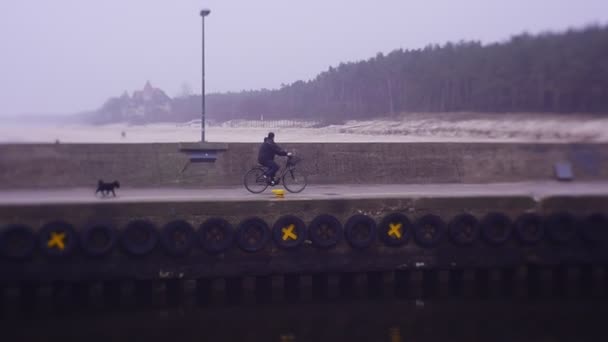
[155, 165]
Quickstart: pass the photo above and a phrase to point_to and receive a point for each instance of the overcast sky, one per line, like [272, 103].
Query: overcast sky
[64, 56]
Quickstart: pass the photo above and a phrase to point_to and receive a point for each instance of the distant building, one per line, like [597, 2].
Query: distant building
[147, 105]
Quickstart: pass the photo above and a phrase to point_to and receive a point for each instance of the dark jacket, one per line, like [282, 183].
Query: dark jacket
[268, 150]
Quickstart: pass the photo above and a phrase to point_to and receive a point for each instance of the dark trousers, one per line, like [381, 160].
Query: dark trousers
[272, 167]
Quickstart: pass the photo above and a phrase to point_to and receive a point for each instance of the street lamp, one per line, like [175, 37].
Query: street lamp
[204, 13]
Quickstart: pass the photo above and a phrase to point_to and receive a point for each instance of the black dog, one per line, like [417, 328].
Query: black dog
[106, 188]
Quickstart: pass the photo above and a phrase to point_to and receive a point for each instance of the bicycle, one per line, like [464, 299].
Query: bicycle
[293, 180]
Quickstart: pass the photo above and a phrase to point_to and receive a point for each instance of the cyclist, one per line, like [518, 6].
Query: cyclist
[266, 157]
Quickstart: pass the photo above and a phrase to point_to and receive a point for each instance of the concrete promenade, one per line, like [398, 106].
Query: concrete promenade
[313, 192]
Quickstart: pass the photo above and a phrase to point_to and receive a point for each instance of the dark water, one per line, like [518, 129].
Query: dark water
[469, 320]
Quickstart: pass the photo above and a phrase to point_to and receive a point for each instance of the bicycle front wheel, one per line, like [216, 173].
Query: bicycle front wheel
[294, 181]
[254, 181]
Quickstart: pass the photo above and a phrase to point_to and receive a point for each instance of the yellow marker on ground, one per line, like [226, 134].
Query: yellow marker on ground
[395, 230]
[288, 232]
[57, 239]
[279, 193]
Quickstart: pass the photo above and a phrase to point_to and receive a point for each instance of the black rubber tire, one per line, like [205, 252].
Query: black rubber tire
[17, 242]
[288, 178]
[58, 227]
[139, 237]
[529, 228]
[429, 231]
[496, 228]
[325, 231]
[464, 229]
[216, 235]
[560, 227]
[177, 238]
[251, 176]
[98, 239]
[385, 227]
[299, 232]
[252, 234]
[595, 229]
[360, 231]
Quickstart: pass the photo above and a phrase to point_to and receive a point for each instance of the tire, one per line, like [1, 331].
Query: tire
[429, 230]
[252, 180]
[216, 235]
[529, 228]
[253, 234]
[560, 227]
[60, 247]
[325, 231]
[177, 238]
[360, 231]
[595, 229]
[389, 236]
[285, 239]
[496, 228]
[17, 242]
[98, 239]
[464, 229]
[139, 237]
[294, 181]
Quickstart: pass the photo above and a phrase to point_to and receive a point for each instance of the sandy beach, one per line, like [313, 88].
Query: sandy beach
[452, 127]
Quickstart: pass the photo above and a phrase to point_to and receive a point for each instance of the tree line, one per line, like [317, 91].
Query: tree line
[563, 72]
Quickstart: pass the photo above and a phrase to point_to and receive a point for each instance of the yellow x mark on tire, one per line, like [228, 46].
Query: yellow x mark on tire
[57, 240]
[288, 232]
[395, 230]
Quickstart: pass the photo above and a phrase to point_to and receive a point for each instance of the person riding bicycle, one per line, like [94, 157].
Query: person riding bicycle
[266, 157]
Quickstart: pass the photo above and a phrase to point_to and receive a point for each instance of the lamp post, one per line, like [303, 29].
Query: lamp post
[204, 13]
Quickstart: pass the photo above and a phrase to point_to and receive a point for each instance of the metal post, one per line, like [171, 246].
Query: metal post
[204, 13]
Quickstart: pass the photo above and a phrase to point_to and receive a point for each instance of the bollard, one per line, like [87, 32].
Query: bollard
[203, 292]
[320, 283]
[234, 290]
[263, 289]
[374, 284]
[292, 287]
[174, 289]
[482, 283]
[111, 293]
[402, 284]
[455, 282]
[347, 286]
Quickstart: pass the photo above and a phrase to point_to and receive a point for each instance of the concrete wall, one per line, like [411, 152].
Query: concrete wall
[145, 165]
[306, 258]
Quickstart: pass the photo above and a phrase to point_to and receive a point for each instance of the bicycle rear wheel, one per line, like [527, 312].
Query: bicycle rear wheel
[294, 181]
[254, 180]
